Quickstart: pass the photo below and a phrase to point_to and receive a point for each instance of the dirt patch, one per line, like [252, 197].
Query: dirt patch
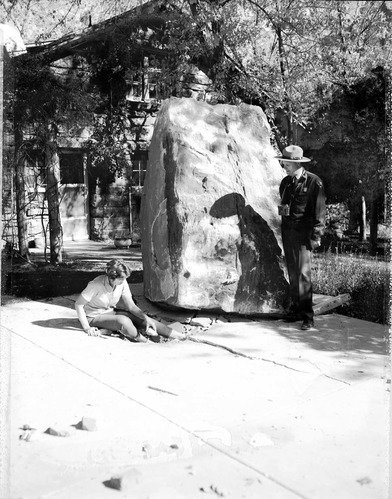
[43, 281]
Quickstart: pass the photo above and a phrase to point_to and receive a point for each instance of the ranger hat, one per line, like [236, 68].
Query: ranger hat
[293, 153]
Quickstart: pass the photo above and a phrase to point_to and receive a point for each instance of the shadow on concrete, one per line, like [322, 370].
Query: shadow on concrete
[59, 323]
[349, 335]
[333, 333]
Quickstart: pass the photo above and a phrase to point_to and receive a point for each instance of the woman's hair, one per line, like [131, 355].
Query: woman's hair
[117, 268]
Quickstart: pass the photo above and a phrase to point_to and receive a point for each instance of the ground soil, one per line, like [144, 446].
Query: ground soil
[41, 280]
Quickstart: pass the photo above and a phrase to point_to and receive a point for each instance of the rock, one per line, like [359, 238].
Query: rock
[125, 481]
[28, 435]
[211, 231]
[179, 327]
[57, 432]
[204, 322]
[87, 424]
[115, 482]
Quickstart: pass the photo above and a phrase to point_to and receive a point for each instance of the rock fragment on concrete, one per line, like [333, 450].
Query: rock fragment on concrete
[115, 482]
[204, 322]
[56, 432]
[87, 424]
[124, 481]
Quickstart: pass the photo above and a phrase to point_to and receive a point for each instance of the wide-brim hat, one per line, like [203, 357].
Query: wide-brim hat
[294, 154]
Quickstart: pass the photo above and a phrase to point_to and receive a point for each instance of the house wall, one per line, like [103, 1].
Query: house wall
[114, 206]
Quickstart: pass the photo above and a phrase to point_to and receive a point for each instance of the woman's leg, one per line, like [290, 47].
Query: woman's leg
[117, 322]
[162, 329]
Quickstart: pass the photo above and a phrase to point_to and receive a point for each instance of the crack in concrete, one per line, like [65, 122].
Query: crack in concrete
[240, 354]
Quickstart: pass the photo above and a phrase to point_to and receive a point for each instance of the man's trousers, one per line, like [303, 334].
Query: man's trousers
[297, 251]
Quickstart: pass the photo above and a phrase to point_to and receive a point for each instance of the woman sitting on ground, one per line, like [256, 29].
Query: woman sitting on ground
[97, 309]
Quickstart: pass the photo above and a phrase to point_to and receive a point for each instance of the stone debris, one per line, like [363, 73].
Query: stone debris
[219, 492]
[87, 424]
[179, 327]
[27, 434]
[124, 481]
[163, 451]
[183, 316]
[115, 482]
[364, 481]
[56, 432]
[201, 321]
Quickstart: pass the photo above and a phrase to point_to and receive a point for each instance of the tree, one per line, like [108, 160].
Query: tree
[352, 157]
[290, 57]
[44, 101]
[45, 20]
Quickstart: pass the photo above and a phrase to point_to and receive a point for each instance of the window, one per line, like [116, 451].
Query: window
[139, 167]
[71, 168]
[145, 84]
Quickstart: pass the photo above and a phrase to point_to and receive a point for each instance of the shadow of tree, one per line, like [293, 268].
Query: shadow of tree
[334, 333]
[341, 334]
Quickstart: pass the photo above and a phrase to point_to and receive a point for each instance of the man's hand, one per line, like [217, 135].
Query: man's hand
[315, 243]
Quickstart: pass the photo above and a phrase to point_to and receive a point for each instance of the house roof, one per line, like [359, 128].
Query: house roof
[149, 14]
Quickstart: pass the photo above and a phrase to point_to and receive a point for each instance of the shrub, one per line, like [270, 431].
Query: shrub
[365, 279]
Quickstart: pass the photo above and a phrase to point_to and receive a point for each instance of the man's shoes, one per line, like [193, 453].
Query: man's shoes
[307, 324]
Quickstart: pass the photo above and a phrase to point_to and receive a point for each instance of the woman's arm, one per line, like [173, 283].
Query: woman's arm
[79, 307]
[131, 307]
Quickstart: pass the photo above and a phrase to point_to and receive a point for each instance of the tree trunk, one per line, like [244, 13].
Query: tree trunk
[373, 226]
[20, 197]
[362, 226]
[285, 82]
[52, 164]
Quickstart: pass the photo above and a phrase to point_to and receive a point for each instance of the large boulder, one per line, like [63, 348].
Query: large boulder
[210, 225]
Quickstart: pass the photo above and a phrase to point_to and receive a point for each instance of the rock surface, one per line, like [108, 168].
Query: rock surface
[210, 234]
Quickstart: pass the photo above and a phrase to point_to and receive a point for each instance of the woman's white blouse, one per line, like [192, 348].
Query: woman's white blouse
[101, 297]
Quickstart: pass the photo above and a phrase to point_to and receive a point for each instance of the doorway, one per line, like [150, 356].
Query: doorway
[74, 195]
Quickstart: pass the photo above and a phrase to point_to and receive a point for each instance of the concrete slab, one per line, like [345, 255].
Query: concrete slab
[292, 414]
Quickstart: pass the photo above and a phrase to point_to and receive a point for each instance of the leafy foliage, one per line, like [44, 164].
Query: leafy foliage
[283, 55]
[43, 97]
[366, 280]
[46, 20]
[108, 147]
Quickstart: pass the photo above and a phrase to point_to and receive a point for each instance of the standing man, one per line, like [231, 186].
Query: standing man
[303, 211]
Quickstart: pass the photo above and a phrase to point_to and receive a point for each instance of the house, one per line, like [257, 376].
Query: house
[93, 205]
